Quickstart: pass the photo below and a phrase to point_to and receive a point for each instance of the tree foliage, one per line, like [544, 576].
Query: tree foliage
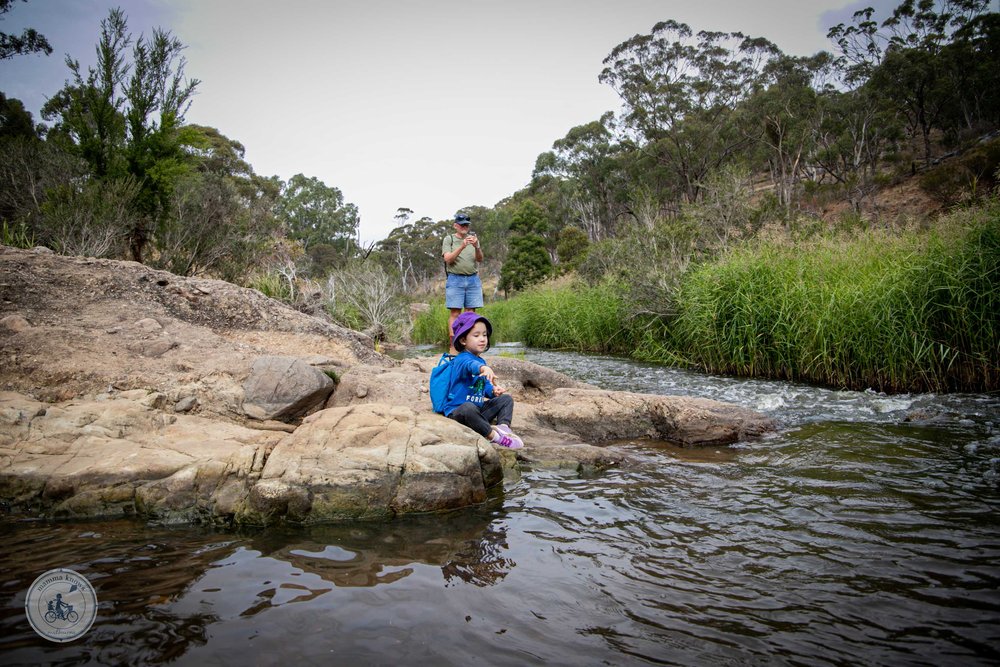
[317, 213]
[528, 260]
[120, 174]
[124, 116]
[15, 120]
[680, 91]
[412, 251]
[572, 248]
[29, 41]
[928, 59]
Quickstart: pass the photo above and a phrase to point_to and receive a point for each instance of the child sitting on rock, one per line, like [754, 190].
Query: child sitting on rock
[474, 398]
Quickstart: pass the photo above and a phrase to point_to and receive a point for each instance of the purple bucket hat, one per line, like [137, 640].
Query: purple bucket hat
[463, 324]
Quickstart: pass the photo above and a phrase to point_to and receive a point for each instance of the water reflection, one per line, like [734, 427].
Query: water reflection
[163, 591]
[134, 568]
[467, 545]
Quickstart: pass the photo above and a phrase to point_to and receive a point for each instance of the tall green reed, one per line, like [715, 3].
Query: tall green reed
[575, 317]
[431, 326]
[571, 317]
[910, 313]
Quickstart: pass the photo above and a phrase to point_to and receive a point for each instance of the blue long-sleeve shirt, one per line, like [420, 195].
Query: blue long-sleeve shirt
[464, 386]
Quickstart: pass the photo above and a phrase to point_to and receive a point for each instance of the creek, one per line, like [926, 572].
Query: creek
[865, 530]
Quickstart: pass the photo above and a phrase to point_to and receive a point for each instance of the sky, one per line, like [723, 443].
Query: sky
[432, 105]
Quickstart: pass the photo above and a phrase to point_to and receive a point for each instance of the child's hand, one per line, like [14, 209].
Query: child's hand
[488, 373]
[498, 390]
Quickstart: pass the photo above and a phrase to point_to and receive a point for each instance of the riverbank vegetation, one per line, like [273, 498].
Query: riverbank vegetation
[829, 218]
[917, 311]
[891, 312]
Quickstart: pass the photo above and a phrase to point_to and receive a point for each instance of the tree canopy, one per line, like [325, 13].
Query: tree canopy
[29, 41]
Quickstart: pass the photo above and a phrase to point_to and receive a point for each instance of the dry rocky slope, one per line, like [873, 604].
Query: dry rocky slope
[130, 391]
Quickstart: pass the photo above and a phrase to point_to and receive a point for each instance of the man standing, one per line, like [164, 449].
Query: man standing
[462, 256]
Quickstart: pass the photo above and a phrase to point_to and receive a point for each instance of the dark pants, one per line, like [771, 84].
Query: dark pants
[478, 418]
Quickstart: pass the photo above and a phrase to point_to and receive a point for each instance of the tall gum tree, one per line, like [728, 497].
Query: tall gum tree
[680, 90]
[925, 60]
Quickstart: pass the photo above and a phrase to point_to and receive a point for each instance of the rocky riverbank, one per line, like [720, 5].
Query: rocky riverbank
[130, 391]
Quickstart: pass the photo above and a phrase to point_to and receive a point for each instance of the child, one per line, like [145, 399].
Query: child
[474, 398]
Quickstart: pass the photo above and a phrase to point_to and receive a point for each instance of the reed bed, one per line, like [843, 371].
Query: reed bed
[568, 317]
[431, 327]
[911, 313]
[575, 317]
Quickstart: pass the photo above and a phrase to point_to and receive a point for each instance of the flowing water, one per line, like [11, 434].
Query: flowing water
[865, 531]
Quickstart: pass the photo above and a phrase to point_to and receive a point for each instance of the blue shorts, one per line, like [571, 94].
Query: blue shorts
[463, 292]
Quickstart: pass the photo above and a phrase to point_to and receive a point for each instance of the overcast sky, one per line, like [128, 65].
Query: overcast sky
[431, 105]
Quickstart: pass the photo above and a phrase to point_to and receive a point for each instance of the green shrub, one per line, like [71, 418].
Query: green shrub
[947, 182]
[272, 285]
[969, 177]
[16, 236]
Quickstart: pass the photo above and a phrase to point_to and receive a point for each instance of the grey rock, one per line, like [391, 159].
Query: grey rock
[284, 388]
[186, 404]
[15, 323]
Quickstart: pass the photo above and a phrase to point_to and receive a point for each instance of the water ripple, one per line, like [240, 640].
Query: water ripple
[866, 530]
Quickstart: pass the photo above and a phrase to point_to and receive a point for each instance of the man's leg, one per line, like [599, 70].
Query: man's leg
[453, 314]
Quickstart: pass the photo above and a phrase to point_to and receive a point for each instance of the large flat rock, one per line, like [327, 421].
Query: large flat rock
[130, 391]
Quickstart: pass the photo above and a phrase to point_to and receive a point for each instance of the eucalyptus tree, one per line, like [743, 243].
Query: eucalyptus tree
[29, 41]
[858, 134]
[316, 213]
[413, 250]
[680, 91]
[915, 61]
[586, 158]
[974, 59]
[403, 266]
[221, 218]
[785, 118]
[15, 120]
[215, 152]
[258, 196]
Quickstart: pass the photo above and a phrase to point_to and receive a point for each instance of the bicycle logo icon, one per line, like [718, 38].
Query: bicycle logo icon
[57, 609]
[61, 605]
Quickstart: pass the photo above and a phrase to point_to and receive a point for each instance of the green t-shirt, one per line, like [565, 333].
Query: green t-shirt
[465, 265]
